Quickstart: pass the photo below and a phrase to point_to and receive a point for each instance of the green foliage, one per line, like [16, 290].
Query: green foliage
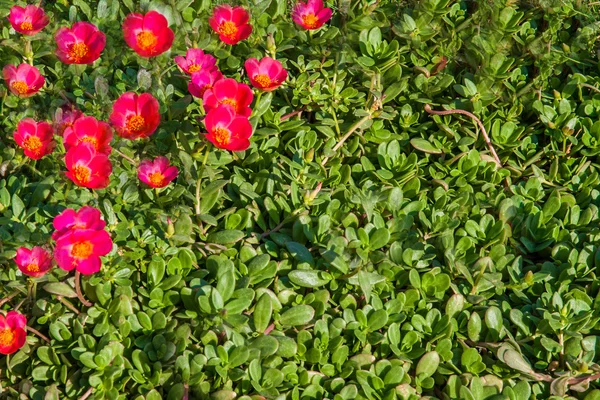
[400, 264]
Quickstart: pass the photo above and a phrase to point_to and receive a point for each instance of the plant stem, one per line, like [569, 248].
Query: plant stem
[69, 305]
[125, 156]
[347, 135]
[199, 181]
[477, 120]
[9, 297]
[87, 394]
[38, 333]
[78, 290]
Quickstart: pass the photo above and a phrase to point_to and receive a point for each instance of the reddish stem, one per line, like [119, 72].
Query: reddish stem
[78, 290]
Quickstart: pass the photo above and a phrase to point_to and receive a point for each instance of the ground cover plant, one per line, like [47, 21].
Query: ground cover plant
[287, 200]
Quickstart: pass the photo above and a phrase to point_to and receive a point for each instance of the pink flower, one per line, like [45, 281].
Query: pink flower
[65, 117]
[229, 91]
[311, 15]
[231, 23]
[35, 262]
[195, 61]
[82, 249]
[29, 20]
[228, 130]
[24, 80]
[81, 44]
[87, 167]
[148, 35]
[35, 138]
[158, 173]
[135, 116]
[266, 74]
[202, 81]
[12, 332]
[86, 218]
[89, 130]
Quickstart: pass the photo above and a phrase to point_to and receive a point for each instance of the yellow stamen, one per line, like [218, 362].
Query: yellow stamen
[135, 123]
[33, 267]
[33, 144]
[7, 337]
[194, 68]
[78, 52]
[92, 140]
[81, 174]
[263, 80]
[310, 21]
[228, 29]
[222, 136]
[20, 87]
[146, 40]
[157, 179]
[82, 249]
[26, 26]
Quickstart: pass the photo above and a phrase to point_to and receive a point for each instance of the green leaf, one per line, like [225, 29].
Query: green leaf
[262, 312]
[297, 315]
[61, 289]
[424, 146]
[225, 237]
[309, 278]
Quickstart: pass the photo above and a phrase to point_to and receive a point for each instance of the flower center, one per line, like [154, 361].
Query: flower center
[33, 267]
[263, 80]
[135, 123]
[204, 89]
[231, 102]
[222, 136]
[78, 51]
[7, 337]
[92, 140]
[26, 26]
[20, 87]
[194, 68]
[228, 29]
[146, 40]
[310, 21]
[82, 249]
[33, 144]
[81, 174]
[157, 179]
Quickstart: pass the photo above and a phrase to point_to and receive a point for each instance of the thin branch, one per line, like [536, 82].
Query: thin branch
[69, 305]
[286, 220]
[586, 85]
[479, 123]
[9, 297]
[347, 135]
[38, 333]
[78, 290]
[290, 115]
[131, 160]
[87, 394]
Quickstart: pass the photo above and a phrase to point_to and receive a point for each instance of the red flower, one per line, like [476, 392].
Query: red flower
[231, 23]
[135, 116]
[65, 117]
[158, 173]
[202, 81]
[311, 15]
[35, 138]
[266, 74]
[12, 332]
[81, 44]
[195, 61]
[229, 91]
[227, 130]
[24, 80]
[86, 218]
[81, 249]
[87, 167]
[90, 130]
[35, 262]
[29, 20]
[148, 35]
